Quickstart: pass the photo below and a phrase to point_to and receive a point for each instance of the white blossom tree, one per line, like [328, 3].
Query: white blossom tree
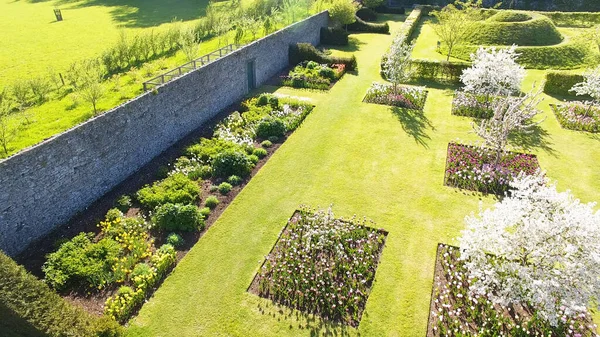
[397, 66]
[537, 247]
[493, 72]
[510, 114]
[590, 86]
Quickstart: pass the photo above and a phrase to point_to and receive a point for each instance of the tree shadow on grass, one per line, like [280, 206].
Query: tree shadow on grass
[415, 124]
[536, 138]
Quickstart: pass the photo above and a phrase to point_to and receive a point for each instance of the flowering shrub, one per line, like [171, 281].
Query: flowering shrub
[578, 116]
[403, 96]
[455, 311]
[322, 265]
[311, 75]
[472, 168]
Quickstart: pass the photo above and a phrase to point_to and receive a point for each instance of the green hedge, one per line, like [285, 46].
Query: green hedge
[576, 19]
[307, 52]
[540, 31]
[439, 71]
[361, 26]
[560, 82]
[510, 16]
[410, 24]
[334, 36]
[390, 10]
[367, 14]
[27, 300]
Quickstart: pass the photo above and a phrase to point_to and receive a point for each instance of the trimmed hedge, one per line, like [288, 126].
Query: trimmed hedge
[510, 16]
[540, 31]
[575, 19]
[410, 24]
[307, 52]
[440, 71]
[361, 26]
[390, 10]
[334, 36]
[27, 299]
[560, 82]
[367, 14]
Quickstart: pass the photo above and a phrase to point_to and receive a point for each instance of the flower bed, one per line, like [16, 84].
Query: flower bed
[121, 265]
[470, 105]
[578, 116]
[404, 96]
[311, 75]
[322, 265]
[472, 168]
[455, 312]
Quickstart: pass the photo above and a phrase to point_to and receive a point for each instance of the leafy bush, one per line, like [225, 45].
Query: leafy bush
[211, 202]
[307, 52]
[559, 83]
[366, 27]
[334, 36]
[141, 271]
[43, 309]
[208, 149]
[225, 188]
[273, 139]
[113, 214]
[265, 144]
[123, 203]
[390, 10]
[175, 239]
[81, 262]
[122, 305]
[234, 180]
[230, 163]
[367, 14]
[177, 189]
[253, 159]
[205, 211]
[178, 217]
[539, 31]
[260, 153]
[269, 127]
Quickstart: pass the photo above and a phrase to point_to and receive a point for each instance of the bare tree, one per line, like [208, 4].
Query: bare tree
[456, 22]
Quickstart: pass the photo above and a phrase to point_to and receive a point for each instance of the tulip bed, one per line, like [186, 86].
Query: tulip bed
[473, 168]
[402, 97]
[322, 265]
[470, 105]
[454, 311]
[578, 116]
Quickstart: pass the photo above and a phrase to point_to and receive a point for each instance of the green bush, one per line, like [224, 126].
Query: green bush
[123, 203]
[442, 71]
[81, 262]
[269, 127]
[205, 211]
[230, 163]
[208, 149]
[178, 217]
[266, 144]
[28, 299]
[211, 202]
[113, 214]
[253, 159]
[559, 83]
[175, 239]
[260, 153]
[361, 26]
[334, 36]
[367, 14]
[307, 52]
[540, 31]
[176, 189]
[273, 139]
[510, 16]
[141, 269]
[225, 188]
[234, 180]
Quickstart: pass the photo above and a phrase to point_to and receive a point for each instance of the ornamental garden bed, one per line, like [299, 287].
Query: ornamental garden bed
[577, 116]
[472, 168]
[407, 97]
[312, 75]
[114, 269]
[322, 265]
[454, 312]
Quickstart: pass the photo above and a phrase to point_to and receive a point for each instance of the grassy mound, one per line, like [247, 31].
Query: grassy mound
[500, 30]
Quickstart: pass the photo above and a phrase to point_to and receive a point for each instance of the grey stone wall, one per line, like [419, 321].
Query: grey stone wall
[45, 185]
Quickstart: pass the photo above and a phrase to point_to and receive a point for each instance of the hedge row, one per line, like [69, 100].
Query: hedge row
[28, 301]
[367, 27]
[390, 10]
[334, 36]
[539, 31]
[307, 52]
[575, 19]
[439, 71]
[410, 24]
[367, 14]
[560, 82]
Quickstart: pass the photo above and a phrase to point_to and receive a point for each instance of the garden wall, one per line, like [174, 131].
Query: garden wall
[45, 185]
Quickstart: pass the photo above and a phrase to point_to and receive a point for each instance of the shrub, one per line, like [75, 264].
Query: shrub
[366, 27]
[559, 83]
[81, 262]
[213, 188]
[211, 202]
[113, 214]
[141, 270]
[177, 188]
[262, 100]
[230, 163]
[260, 153]
[334, 36]
[390, 10]
[178, 217]
[32, 301]
[122, 305]
[123, 203]
[225, 188]
[208, 149]
[307, 52]
[367, 14]
[205, 211]
[273, 139]
[253, 159]
[269, 127]
[175, 239]
[266, 144]
[441, 71]
[234, 180]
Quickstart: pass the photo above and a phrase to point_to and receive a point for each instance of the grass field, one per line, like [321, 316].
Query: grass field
[364, 159]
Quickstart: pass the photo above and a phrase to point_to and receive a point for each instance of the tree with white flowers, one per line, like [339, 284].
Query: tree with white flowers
[590, 86]
[537, 247]
[494, 72]
[396, 66]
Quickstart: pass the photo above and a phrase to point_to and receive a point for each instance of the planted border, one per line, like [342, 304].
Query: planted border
[577, 116]
[311, 75]
[407, 97]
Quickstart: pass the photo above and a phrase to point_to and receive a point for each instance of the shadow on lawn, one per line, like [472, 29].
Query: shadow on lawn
[415, 124]
[536, 138]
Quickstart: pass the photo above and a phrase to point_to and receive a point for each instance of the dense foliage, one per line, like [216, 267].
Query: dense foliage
[334, 36]
[441, 71]
[362, 26]
[178, 217]
[540, 31]
[404, 97]
[323, 265]
[307, 52]
[177, 189]
[510, 16]
[578, 116]
[561, 82]
[311, 75]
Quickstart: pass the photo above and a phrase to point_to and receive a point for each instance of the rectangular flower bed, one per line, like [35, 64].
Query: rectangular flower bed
[322, 265]
[402, 96]
[311, 75]
[578, 116]
[472, 105]
[455, 312]
[472, 168]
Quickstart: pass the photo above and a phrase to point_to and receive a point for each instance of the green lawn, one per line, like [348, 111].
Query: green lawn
[366, 160]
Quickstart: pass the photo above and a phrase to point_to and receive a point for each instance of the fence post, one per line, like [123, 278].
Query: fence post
[145, 86]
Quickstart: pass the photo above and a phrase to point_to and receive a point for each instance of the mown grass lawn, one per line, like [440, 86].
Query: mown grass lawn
[364, 159]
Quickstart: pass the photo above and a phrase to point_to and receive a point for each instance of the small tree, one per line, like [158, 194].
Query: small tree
[188, 43]
[494, 72]
[342, 12]
[536, 247]
[456, 22]
[510, 114]
[590, 86]
[8, 131]
[397, 66]
[20, 91]
[91, 89]
[40, 87]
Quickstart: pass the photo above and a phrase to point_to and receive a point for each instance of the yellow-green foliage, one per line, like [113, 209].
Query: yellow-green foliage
[507, 28]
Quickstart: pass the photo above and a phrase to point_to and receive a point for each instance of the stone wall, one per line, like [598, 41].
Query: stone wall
[45, 185]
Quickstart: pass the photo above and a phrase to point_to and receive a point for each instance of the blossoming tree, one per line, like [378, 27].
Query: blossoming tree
[538, 247]
[397, 67]
[590, 86]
